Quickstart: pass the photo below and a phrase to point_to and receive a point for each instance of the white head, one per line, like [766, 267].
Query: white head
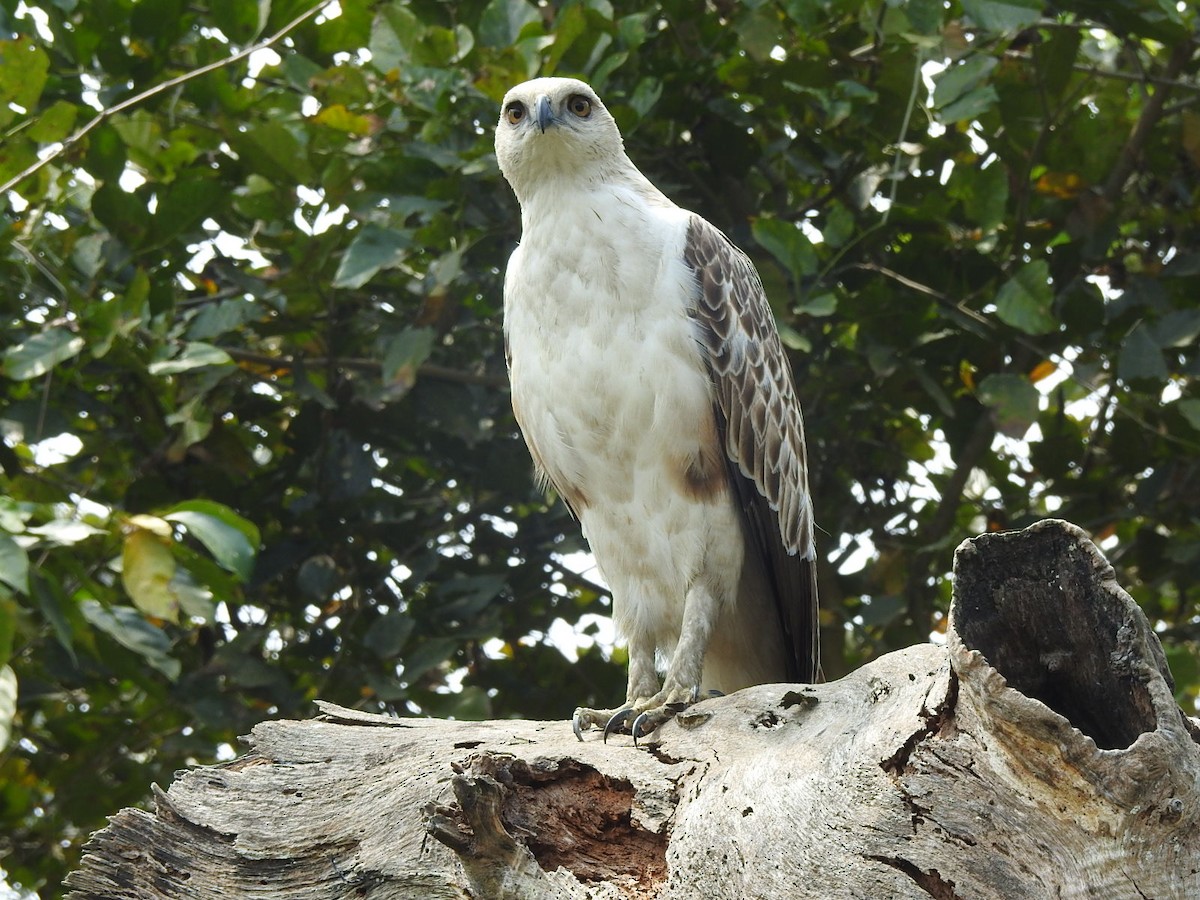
[550, 127]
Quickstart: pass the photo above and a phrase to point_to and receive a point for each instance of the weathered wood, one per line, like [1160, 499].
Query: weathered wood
[1039, 754]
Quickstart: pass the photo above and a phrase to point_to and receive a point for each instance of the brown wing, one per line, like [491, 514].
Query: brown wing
[759, 417]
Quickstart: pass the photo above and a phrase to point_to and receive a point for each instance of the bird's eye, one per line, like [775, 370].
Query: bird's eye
[580, 105]
[514, 112]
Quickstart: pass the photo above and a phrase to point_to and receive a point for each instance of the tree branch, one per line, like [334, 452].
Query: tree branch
[360, 364]
[105, 114]
[1151, 113]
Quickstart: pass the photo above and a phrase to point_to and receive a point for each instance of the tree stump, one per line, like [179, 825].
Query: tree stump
[1040, 753]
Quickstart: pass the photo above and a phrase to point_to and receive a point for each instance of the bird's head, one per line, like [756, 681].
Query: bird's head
[550, 127]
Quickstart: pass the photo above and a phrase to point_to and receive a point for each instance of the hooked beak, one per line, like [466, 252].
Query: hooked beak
[543, 113]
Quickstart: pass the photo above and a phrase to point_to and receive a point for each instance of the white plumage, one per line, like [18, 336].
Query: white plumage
[649, 383]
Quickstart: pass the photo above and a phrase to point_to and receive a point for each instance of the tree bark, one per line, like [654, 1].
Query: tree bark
[1040, 753]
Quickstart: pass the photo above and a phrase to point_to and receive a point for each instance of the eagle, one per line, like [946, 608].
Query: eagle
[653, 392]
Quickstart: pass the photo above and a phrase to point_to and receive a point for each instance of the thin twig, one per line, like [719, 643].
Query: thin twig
[1151, 113]
[908, 111]
[1115, 74]
[167, 85]
[361, 364]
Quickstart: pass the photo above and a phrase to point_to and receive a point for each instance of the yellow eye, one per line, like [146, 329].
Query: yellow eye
[514, 112]
[580, 105]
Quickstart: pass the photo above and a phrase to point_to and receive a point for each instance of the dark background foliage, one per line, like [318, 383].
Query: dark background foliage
[256, 439]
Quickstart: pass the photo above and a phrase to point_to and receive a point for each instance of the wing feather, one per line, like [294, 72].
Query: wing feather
[759, 417]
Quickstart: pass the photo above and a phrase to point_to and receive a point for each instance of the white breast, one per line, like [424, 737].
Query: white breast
[612, 392]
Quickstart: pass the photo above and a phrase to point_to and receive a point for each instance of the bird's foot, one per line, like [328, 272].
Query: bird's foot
[638, 717]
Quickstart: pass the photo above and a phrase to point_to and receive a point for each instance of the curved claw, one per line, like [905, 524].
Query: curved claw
[575, 726]
[615, 723]
[636, 729]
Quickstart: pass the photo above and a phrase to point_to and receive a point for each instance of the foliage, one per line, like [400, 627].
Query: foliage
[257, 446]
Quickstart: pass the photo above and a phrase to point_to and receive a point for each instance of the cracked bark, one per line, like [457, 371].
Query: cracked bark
[1038, 754]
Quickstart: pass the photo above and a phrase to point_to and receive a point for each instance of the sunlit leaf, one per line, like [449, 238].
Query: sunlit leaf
[41, 353]
[64, 532]
[337, 117]
[23, 71]
[193, 355]
[8, 704]
[147, 567]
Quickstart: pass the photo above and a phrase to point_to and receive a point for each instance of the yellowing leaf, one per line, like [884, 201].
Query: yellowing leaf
[966, 373]
[153, 524]
[1044, 369]
[337, 117]
[1063, 185]
[147, 569]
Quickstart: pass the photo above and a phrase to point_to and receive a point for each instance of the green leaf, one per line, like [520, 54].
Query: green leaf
[23, 68]
[55, 607]
[503, 21]
[983, 192]
[55, 122]
[1141, 357]
[64, 532]
[14, 564]
[570, 25]
[8, 704]
[272, 149]
[958, 80]
[240, 20]
[41, 353]
[182, 205]
[1003, 15]
[339, 118]
[388, 634]
[819, 306]
[147, 567]
[405, 353]
[787, 244]
[8, 626]
[194, 355]
[1013, 401]
[122, 213]
[129, 628]
[317, 577]
[969, 106]
[1025, 299]
[372, 249]
[232, 540]
[1190, 408]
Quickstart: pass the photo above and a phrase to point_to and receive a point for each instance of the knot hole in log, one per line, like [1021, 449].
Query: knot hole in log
[1044, 608]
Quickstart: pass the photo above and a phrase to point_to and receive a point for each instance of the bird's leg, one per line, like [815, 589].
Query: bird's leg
[681, 687]
[642, 685]
[647, 707]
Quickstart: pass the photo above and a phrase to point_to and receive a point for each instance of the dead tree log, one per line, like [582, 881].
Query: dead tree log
[1039, 754]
